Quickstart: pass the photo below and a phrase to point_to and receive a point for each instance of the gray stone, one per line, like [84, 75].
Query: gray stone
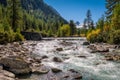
[57, 59]
[59, 49]
[15, 64]
[86, 43]
[56, 70]
[8, 74]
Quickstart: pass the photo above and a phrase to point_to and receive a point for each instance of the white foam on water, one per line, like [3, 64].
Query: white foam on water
[94, 64]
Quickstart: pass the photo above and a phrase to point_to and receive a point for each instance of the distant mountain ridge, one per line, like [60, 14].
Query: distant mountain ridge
[38, 4]
[41, 7]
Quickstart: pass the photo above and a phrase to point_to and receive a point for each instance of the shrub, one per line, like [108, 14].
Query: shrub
[94, 36]
[64, 31]
[18, 37]
[115, 37]
[6, 37]
[44, 34]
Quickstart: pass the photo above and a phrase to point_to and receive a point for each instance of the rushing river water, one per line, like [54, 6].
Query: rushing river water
[92, 67]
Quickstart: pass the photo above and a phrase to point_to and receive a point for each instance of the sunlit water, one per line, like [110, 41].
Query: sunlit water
[93, 67]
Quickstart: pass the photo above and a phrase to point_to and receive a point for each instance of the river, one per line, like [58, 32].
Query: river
[92, 66]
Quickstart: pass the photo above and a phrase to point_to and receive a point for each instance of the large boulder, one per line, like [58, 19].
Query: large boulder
[32, 36]
[15, 65]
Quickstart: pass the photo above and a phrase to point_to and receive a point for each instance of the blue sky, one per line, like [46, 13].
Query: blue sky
[76, 9]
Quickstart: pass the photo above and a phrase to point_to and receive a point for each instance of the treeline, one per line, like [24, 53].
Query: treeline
[108, 27]
[31, 16]
[10, 22]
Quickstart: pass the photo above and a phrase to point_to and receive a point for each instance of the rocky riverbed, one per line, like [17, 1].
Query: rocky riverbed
[17, 62]
[59, 60]
[111, 52]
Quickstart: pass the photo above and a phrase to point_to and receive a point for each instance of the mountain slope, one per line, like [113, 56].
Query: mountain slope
[37, 15]
[40, 5]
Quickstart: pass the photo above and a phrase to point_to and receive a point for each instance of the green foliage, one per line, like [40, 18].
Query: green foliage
[50, 34]
[110, 5]
[100, 23]
[115, 23]
[64, 31]
[14, 10]
[88, 22]
[6, 37]
[73, 29]
[83, 32]
[115, 37]
[110, 29]
[18, 37]
[95, 36]
[44, 33]
[27, 15]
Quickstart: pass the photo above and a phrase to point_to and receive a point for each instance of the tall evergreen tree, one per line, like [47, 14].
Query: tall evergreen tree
[72, 27]
[84, 24]
[100, 23]
[110, 5]
[88, 22]
[15, 14]
[115, 20]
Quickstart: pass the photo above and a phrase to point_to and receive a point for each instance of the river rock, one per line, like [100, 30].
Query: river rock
[40, 70]
[117, 47]
[72, 75]
[92, 47]
[73, 71]
[59, 49]
[15, 64]
[57, 59]
[86, 43]
[44, 57]
[37, 59]
[98, 48]
[77, 76]
[82, 56]
[112, 57]
[66, 76]
[3, 77]
[101, 49]
[65, 43]
[56, 70]
[7, 73]
[15, 44]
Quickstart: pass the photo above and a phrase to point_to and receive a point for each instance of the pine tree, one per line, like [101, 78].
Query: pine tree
[115, 20]
[88, 22]
[100, 23]
[110, 5]
[14, 8]
[84, 24]
[72, 27]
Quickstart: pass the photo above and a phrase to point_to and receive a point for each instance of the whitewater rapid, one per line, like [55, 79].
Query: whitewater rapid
[92, 67]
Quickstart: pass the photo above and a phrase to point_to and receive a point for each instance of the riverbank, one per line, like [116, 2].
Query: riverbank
[111, 52]
[57, 60]
[18, 60]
